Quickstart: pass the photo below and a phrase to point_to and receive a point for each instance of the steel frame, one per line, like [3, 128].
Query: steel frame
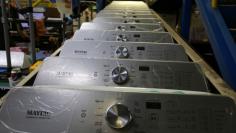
[223, 44]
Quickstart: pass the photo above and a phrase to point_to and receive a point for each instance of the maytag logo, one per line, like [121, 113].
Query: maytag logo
[38, 114]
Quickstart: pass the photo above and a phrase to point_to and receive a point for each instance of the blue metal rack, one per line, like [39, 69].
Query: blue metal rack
[186, 17]
[217, 24]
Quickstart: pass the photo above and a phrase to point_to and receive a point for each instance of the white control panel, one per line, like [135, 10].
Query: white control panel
[126, 15]
[121, 72]
[126, 11]
[123, 50]
[122, 26]
[114, 110]
[126, 20]
[123, 36]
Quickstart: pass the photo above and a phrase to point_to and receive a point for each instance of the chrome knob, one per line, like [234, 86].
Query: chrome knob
[118, 116]
[121, 28]
[122, 52]
[122, 38]
[120, 75]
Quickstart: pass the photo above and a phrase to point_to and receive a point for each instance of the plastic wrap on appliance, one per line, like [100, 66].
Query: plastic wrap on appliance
[127, 15]
[101, 72]
[81, 109]
[123, 36]
[33, 111]
[124, 50]
[126, 20]
[115, 7]
[122, 26]
[128, 12]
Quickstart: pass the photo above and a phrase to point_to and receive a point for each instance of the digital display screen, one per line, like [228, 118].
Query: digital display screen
[136, 35]
[144, 68]
[153, 105]
[132, 27]
[141, 48]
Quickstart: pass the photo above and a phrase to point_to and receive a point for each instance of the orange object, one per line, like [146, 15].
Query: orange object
[35, 65]
[40, 27]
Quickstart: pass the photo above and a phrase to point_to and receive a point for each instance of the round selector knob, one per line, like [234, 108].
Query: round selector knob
[118, 116]
[120, 75]
[122, 52]
[121, 28]
[122, 38]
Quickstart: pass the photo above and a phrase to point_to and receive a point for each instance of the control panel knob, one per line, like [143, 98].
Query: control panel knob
[121, 28]
[122, 38]
[120, 75]
[122, 52]
[118, 116]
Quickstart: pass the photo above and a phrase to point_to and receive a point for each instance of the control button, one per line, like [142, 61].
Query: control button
[122, 38]
[122, 52]
[118, 116]
[120, 75]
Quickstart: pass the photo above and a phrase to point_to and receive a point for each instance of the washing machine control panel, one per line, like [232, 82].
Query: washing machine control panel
[123, 50]
[87, 110]
[126, 20]
[122, 36]
[121, 72]
[122, 27]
